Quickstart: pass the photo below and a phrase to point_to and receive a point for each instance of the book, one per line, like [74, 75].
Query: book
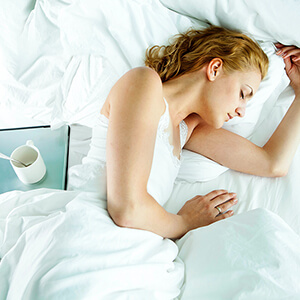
[54, 148]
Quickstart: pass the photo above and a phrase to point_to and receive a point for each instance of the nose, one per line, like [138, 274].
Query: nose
[240, 111]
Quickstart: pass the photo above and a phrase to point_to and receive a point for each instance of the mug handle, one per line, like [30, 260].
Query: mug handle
[29, 143]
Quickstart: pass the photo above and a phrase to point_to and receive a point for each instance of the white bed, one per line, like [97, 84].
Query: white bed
[58, 61]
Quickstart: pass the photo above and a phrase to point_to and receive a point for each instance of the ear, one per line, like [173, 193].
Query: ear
[214, 68]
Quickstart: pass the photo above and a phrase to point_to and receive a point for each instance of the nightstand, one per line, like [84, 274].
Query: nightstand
[54, 148]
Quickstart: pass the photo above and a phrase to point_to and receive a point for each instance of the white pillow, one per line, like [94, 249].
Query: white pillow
[106, 39]
[33, 56]
[13, 16]
[196, 167]
[254, 255]
[277, 20]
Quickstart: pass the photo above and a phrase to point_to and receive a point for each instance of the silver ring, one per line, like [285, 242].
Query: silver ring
[219, 209]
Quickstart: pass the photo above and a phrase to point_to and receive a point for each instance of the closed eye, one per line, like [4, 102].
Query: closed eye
[251, 93]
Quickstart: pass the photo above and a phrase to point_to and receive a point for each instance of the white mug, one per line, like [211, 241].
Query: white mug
[31, 156]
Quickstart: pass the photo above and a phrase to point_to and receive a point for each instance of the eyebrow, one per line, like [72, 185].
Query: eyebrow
[251, 94]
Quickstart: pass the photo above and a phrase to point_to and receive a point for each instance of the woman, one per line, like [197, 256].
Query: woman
[203, 79]
[67, 241]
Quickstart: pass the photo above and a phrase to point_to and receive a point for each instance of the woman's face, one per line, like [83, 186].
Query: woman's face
[228, 95]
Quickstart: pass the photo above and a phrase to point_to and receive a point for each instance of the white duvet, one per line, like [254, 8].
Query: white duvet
[58, 60]
[63, 245]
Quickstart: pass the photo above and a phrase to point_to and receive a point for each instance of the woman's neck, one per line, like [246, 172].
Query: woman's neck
[183, 95]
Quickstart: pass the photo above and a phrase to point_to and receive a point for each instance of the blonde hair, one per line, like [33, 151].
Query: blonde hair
[192, 50]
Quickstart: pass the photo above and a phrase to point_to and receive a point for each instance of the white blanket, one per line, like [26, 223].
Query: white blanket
[63, 245]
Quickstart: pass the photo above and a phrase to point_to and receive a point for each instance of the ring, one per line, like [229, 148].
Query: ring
[219, 209]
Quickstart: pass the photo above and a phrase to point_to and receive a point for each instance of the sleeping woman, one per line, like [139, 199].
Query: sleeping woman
[68, 242]
[181, 99]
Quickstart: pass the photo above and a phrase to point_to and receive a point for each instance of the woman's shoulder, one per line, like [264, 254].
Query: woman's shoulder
[140, 88]
[140, 79]
[143, 77]
[142, 71]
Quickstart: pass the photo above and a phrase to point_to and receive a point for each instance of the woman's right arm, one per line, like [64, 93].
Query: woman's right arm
[135, 109]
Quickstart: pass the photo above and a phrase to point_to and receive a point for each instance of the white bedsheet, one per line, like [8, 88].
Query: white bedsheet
[236, 260]
[58, 61]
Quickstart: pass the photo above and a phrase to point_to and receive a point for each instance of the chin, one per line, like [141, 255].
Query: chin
[214, 122]
[217, 124]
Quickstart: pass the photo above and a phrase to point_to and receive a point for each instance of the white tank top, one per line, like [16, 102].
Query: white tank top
[91, 175]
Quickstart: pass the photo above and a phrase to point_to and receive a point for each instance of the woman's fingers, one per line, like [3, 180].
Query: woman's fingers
[288, 64]
[216, 193]
[291, 57]
[223, 198]
[283, 48]
[224, 216]
[278, 45]
[289, 51]
[204, 210]
[224, 207]
[221, 201]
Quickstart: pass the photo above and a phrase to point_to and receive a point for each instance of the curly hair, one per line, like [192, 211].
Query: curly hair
[192, 50]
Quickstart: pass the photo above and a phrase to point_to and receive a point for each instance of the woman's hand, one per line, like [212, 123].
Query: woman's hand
[203, 210]
[291, 56]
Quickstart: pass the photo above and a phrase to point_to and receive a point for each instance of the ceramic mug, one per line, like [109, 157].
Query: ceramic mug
[31, 156]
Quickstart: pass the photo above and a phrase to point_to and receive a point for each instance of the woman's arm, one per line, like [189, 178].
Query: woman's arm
[237, 153]
[135, 108]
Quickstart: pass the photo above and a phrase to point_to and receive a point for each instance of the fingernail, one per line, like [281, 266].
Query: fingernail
[235, 201]
[278, 52]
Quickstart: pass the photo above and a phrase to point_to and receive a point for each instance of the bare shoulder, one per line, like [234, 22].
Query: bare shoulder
[139, 81]
[139, 89]
[142, 73]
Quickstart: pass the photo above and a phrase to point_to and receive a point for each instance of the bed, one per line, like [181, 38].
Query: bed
[58, 61]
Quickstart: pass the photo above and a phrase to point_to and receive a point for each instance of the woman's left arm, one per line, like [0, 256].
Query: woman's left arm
[237, 153]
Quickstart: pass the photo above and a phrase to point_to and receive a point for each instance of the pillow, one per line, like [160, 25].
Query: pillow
[34, 58]
[253, 255]
[105, 40]
[276, 21]
[196, 167]
[13, 16]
